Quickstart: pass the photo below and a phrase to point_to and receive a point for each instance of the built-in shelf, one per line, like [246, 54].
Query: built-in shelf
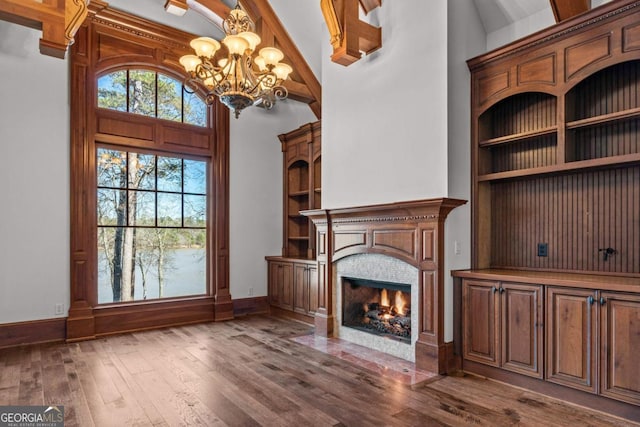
[301, 238]
[300, 193]
[564, 167]
[518, 137]
[604, 119]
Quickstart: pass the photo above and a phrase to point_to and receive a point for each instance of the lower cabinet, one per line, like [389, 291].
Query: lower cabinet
[590, 340]
[293, 285]
[502, 325]
[593, 339]
[281, 285]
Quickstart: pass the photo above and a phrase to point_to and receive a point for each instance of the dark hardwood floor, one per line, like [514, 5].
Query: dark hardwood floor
[247, 372]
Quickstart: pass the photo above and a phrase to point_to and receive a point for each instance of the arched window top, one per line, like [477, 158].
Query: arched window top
[150, 94]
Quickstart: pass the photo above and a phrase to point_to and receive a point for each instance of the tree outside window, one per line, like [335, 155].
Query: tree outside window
[152, 226]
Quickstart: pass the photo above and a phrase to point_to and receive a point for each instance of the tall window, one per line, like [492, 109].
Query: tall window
[150, 94]
[152, 219]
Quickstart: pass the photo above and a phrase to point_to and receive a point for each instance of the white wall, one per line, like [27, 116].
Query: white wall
[384, 118]
[521, 28]
[256, 192]
[34, 207]
[466, 39]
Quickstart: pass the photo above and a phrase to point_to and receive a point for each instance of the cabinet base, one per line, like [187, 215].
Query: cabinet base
[592, 401]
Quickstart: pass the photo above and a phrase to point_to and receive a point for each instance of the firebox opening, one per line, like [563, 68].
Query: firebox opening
[377, 307]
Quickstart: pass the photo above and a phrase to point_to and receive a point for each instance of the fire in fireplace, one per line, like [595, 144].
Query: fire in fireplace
[377, 307]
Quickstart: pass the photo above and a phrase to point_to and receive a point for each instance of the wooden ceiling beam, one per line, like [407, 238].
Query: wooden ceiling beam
[565, 9]
[59, 21]
[349, 35]
[217, 7]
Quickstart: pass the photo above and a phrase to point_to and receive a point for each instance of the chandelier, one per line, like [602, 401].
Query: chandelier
[238, 80]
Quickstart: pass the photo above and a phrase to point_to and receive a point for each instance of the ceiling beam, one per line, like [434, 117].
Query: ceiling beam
[565, 9]
[217, 7]
[349, 34]
[59, 21]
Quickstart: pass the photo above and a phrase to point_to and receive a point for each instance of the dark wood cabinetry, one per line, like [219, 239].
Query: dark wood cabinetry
[591, 339]
[503, 325]
[555, 147]
[293, 281]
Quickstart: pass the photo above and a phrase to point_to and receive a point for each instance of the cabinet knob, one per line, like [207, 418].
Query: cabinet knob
[494, 290]
[590, 300]
[502, 290]
[602, 301]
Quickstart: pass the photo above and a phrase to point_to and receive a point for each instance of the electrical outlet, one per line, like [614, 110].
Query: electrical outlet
[250, 291]
[59, 309]
[543, 249]
[456, 248]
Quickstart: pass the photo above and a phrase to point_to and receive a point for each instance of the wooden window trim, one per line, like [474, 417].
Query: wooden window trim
[111, 39]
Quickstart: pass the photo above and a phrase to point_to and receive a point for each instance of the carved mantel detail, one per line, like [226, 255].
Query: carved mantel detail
[410, 231]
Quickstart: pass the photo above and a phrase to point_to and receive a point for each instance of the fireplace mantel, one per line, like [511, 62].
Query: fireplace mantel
[410, 231]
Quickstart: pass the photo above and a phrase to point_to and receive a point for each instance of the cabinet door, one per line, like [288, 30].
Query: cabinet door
[480, 321]
[571, 338]
[313, 289]
[286, 294]
[620, 346]
[281, 284]
[521, 327]
[275, 282]
[301, 288]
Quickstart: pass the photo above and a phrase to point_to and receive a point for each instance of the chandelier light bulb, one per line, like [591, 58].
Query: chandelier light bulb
[190, 62]
[262, 66]
[282, 71]
[237, 45]
[252, 38]
[271, 55]
[205, 46]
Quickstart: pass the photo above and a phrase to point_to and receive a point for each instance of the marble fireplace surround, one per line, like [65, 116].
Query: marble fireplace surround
[412, 232]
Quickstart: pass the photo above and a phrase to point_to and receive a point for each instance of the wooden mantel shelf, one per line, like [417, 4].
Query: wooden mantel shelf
[58, 19]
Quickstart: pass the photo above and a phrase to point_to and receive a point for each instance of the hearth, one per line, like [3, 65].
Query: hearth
[377, 307]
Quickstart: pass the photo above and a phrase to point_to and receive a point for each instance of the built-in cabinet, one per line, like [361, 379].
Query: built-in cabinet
[503, 325]
[555, 150]
[293, 276]
[591, 339]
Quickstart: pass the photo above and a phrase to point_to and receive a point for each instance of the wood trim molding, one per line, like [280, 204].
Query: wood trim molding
[348, 34]
[32, 332]
[105, 37]
[410, 231]
[59, 21]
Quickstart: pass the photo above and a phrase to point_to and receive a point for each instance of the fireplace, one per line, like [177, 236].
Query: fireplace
[377, 307]
[361, 279]
[400, 242]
